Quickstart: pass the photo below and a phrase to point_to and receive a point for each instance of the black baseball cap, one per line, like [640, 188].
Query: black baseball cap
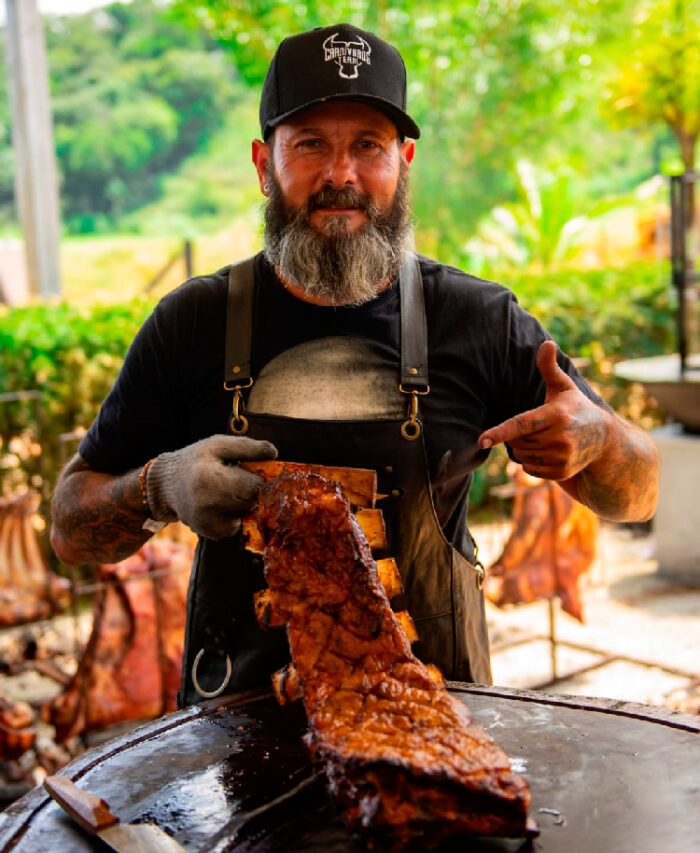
[339, 63]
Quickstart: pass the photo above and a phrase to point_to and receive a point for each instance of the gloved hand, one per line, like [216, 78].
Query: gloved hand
[202, 484]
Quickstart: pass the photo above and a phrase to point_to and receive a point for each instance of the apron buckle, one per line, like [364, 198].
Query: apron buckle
[411, 428]
[238, 424]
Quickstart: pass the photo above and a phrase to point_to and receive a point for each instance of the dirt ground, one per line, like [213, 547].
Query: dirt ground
[642, 627]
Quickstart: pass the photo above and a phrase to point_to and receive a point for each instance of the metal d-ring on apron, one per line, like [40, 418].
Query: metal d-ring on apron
[414, 344]
[225, 650]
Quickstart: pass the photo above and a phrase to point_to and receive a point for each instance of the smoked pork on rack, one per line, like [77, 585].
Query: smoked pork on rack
[29, 590]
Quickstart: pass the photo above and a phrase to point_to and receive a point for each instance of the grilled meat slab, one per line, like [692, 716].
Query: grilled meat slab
[403, 757]
[130, 668]
[29, 590]
[551, 545]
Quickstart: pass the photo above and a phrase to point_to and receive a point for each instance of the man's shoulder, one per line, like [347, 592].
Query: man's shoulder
[200, 288]
[199, 299]
[446, 282]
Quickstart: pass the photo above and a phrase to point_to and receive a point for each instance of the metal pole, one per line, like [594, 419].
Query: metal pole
[188, 259]
[36, 184]
[678, 263]
[555, 571]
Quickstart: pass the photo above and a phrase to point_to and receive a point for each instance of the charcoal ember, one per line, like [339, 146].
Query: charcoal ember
[403, 758]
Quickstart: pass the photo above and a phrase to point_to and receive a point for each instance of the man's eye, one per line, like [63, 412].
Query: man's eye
[368, 145]
[310, 144]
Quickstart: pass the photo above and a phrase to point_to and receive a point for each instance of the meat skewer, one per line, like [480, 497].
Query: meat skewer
[403, 757]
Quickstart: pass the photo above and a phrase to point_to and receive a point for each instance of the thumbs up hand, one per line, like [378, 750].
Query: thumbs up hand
[561, 437]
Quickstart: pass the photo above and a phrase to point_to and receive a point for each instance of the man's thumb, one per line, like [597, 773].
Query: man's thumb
[554, 377]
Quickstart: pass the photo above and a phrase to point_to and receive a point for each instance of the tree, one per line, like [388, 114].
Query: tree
[7, 160]
[658, 81]
[133, 94]
[489, 82]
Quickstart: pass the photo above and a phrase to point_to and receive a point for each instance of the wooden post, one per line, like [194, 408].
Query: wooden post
[36, 184]
[552, 639]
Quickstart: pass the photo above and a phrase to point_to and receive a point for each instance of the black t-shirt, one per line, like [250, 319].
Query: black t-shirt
[482, 348]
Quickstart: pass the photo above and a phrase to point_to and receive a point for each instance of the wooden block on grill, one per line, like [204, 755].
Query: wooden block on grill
[359, 485]
[286, 686]
[406, 623]
[372, 523]
[370, 520]
[389, 576]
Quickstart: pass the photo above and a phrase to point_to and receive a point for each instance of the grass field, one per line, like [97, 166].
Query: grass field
[113, 269]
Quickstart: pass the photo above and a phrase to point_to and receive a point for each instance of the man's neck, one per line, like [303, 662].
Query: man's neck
[299, 292]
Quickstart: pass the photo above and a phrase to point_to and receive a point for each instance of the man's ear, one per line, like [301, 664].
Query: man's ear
[261, 152]
[408, 150]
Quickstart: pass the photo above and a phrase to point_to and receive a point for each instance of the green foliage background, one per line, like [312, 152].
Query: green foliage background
[133, 94]
[139, 87]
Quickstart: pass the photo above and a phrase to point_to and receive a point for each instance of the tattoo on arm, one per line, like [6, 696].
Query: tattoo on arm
[623, 484]
[97, 517]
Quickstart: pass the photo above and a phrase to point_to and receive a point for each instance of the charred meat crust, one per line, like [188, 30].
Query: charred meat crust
[403, 757]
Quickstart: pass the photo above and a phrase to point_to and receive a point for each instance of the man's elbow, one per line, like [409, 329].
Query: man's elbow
[650, 486]
[62, 548]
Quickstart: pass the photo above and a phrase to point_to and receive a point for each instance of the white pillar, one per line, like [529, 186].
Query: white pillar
[677, 519]
[36, 184]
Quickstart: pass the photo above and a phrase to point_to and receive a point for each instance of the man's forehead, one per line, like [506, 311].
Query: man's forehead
[353, 115]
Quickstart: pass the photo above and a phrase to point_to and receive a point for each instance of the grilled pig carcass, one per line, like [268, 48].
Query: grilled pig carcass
[130, 668]
[29, 590]
[551, 545]
[403, 757]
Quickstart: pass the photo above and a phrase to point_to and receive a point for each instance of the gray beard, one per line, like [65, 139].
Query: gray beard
[334, 263]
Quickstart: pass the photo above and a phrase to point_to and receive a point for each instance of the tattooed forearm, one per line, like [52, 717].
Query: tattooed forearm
[96, 517]
[622, 484]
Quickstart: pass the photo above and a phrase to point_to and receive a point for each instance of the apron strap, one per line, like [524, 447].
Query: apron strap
[239, 325]
[414, 330]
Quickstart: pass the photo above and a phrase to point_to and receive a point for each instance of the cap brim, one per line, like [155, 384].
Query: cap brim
[404, 123]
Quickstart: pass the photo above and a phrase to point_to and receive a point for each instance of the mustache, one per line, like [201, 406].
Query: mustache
[343, 198]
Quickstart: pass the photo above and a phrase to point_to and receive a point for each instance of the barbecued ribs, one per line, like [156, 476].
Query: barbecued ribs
[403, 757]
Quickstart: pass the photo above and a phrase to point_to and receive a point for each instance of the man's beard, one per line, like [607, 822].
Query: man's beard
[331, 262]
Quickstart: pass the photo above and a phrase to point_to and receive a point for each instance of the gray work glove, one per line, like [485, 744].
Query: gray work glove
[202, 484]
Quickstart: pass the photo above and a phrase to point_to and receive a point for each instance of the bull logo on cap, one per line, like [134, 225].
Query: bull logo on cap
[347, 55]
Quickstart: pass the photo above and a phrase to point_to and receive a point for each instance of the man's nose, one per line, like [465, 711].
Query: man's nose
[340, 169]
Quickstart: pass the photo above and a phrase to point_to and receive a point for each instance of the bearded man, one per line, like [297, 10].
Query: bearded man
[336, 345]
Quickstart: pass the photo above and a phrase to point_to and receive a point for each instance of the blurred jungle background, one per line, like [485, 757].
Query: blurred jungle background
[549, 127]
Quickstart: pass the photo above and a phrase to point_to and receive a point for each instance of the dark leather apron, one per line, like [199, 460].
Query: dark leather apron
[225, 650]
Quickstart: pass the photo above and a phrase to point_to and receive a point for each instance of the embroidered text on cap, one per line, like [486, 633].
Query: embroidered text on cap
[347, 55]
